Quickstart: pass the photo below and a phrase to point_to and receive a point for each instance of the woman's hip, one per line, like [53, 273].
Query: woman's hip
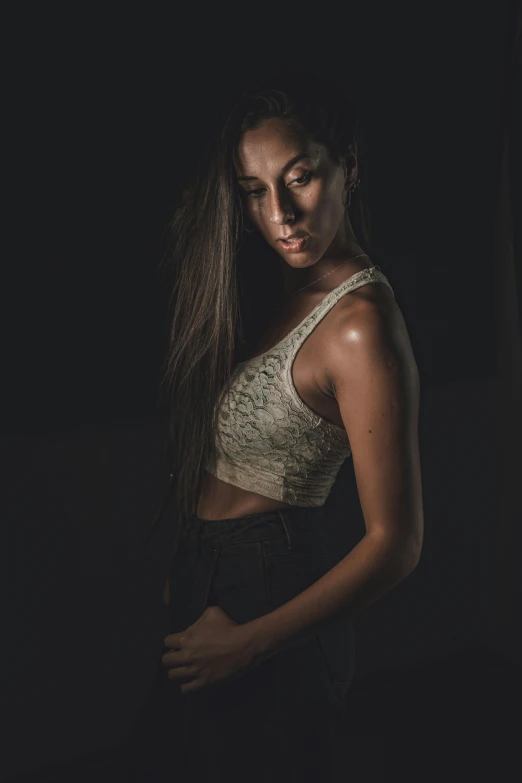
[248, 564]
[249, 567]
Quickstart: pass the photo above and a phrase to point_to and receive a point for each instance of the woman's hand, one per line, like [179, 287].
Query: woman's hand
[212, 649]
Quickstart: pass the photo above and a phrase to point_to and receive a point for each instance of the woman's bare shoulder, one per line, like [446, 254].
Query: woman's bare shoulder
[369, 316]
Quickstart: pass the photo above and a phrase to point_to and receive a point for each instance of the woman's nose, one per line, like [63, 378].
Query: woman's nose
[281, 209]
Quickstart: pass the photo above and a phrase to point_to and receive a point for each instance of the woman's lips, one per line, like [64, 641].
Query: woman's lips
[295, 245]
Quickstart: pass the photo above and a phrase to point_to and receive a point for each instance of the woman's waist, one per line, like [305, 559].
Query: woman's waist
[270, 523]
[220, 500]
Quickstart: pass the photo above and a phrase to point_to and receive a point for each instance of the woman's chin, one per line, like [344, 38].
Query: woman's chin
[300, 260]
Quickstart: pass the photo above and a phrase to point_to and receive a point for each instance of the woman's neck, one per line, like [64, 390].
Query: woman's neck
[332, 270]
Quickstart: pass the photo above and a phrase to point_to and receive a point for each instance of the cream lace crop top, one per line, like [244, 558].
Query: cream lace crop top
[269, 441]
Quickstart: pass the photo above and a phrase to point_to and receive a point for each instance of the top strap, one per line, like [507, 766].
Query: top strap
[372, 274]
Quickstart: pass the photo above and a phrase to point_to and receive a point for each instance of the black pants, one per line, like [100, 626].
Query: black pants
[279, 721]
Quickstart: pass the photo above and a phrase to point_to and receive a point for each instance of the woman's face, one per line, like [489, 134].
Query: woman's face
[291, 186]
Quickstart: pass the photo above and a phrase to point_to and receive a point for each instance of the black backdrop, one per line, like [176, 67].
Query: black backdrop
[108, 106]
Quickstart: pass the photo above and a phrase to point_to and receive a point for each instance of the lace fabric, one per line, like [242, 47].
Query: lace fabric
[268, 440]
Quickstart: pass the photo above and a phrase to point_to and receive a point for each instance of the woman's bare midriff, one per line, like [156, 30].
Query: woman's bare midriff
[220, 500]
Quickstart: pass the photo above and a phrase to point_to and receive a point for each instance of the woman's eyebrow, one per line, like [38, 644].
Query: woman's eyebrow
[288, 165]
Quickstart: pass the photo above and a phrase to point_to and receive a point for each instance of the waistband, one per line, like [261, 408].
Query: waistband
[296, 520]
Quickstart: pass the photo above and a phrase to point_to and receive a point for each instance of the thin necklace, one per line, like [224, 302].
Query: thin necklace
[328, 273]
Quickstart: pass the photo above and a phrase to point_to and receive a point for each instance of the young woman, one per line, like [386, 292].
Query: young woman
[289, 354]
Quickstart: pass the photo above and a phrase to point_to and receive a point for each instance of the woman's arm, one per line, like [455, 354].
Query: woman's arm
[370, 368]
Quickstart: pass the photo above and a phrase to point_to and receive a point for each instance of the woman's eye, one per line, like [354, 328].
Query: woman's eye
[304, 179]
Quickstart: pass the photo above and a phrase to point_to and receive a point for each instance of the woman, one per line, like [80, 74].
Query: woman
[260, 653]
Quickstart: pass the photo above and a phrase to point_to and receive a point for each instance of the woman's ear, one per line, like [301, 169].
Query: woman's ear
[346, 174]
[350, 170]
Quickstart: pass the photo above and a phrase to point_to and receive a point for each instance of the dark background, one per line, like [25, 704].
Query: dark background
[106, 110]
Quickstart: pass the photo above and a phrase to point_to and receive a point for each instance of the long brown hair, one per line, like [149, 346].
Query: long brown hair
[213, 317]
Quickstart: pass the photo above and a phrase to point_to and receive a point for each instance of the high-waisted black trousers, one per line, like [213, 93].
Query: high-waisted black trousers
[279, 721]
